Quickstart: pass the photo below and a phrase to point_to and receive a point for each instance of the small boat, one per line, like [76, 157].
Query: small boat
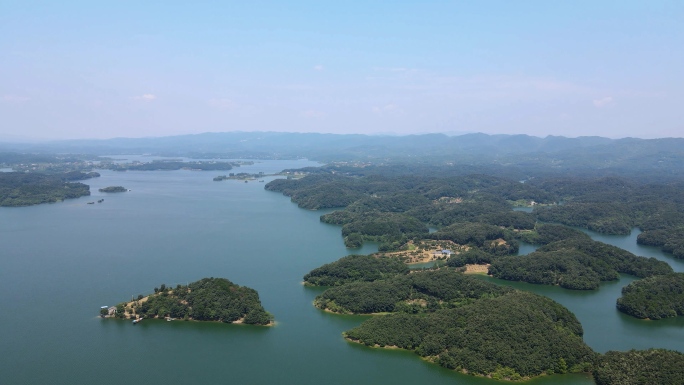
[91, 203]
[135, 321]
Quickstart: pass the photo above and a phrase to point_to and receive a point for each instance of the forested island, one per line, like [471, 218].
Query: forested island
[26, 189]
[209, 299]
[654, 298]
[113, 189]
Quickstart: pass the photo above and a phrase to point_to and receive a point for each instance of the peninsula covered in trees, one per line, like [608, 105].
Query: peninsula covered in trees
[514, 336]
[26, 189]
[354, 268]
[476, 327]
[209, 299]
[654, 298]
[463, 323]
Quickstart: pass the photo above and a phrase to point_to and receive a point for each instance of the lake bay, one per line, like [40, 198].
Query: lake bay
[60, 262]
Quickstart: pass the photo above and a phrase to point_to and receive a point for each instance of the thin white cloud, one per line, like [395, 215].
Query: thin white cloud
[603, 102]
[15, 99]
[395, 69]
[313, 114]
[145, 97]
[222, 103]
[295, 87]
[483, 88]
[387, 109]
[318, 67]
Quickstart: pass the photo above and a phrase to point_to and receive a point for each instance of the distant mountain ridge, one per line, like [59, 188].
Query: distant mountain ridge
[291, 143]
[552, 154]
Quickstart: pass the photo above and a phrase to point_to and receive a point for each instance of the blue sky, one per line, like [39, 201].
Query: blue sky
[102, 69]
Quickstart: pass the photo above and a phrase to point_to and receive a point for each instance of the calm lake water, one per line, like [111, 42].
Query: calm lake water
[61, 262]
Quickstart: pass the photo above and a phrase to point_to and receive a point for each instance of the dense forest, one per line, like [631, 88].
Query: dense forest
[576, 263]
[475, 211]
[392, 210]
[464, 323]
[512, 336]
[607, 205]
[26, 189]
[460, 322]
[654, 298]
[355, 268]
[490, 238]
[616, 206]
[640, 367]
[670, 240]
[209, 299]
[418, 292]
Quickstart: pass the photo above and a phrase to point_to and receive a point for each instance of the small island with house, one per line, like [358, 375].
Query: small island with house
[209, 299]
[113, 189]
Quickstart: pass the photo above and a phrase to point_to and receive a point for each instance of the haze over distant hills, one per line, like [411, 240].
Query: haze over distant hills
[306, 144]
[627, 156]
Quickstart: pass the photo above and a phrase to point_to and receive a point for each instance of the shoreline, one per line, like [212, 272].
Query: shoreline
[433, 360]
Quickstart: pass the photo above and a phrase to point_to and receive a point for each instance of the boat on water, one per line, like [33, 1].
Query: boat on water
[135, 321]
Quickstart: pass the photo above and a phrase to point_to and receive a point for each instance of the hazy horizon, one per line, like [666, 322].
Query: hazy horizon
[83, 70]
[25, 140]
